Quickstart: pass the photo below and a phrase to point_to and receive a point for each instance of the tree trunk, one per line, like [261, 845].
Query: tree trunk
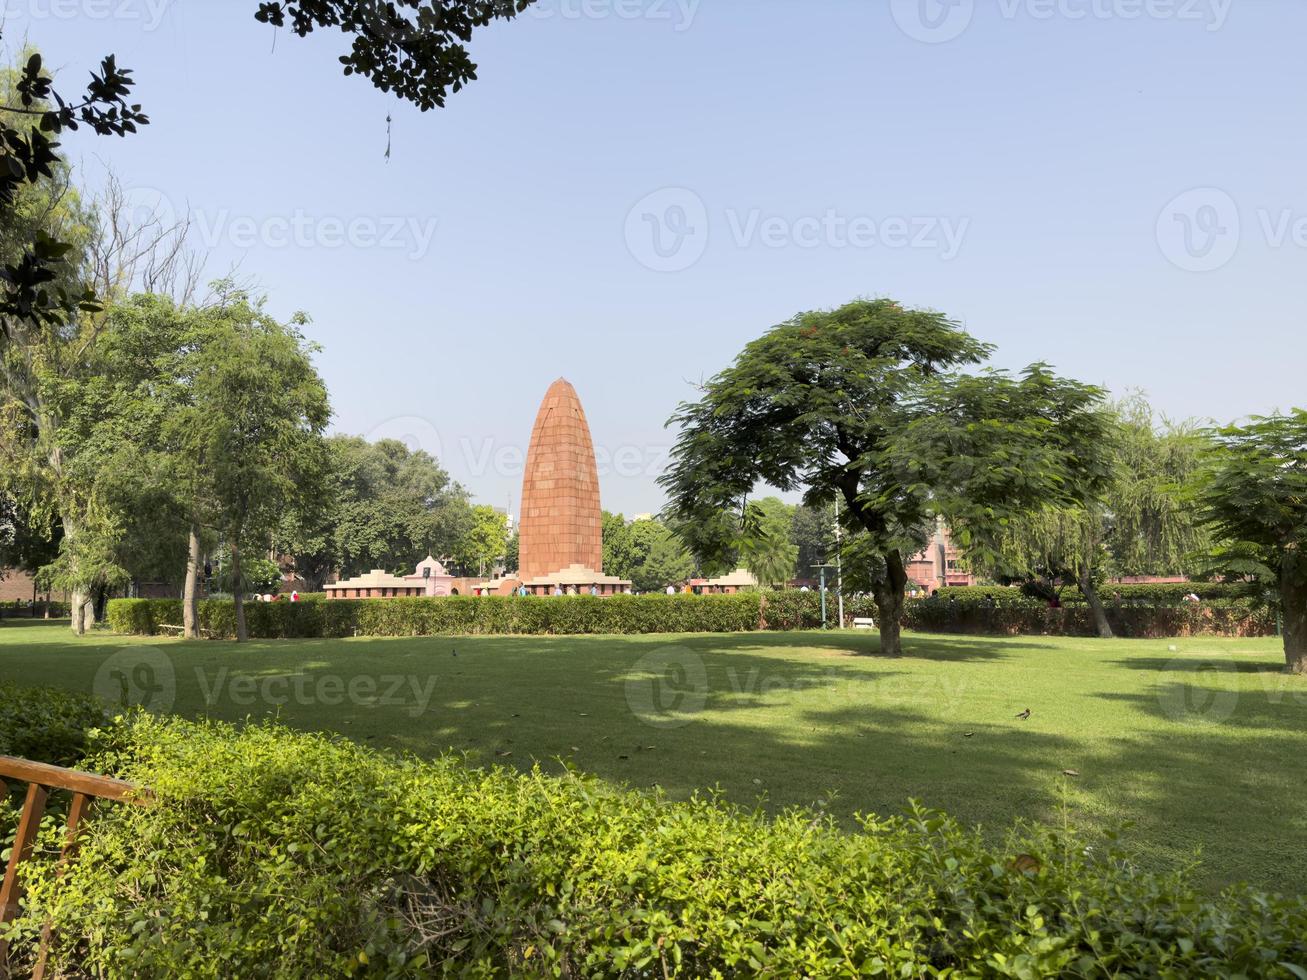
[1293, 604]
[82, 613]
[238, 594]
[191, 593]
[889, 596]
[1086, 582]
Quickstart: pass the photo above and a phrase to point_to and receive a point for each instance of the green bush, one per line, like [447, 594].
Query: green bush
[45, 724]
[1155, 594]
[451, 615]
[270, 853]
[22, 608]
[1014, 614]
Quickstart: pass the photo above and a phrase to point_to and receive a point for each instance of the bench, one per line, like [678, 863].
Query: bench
[863, 623]
[41, 779]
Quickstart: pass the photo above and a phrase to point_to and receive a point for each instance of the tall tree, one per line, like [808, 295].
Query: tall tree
[813, 533]
[766, 542]
[646, 552]
[865, 402]
[1131, 519]
[1253, 492]
[381, 505]
[483, 544]
[253, 428]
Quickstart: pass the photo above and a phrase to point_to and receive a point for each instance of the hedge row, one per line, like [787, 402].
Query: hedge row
[452, 615]
[1012, 617]
[23, 608]
[1006, 612]
[1153, 594]
[272, 853]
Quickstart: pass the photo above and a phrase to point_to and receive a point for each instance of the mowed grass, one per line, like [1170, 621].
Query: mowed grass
[1200, 748]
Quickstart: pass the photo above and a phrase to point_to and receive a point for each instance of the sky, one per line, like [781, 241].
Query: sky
[634, 189]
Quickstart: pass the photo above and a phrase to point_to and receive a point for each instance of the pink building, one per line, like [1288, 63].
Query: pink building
[428, 579]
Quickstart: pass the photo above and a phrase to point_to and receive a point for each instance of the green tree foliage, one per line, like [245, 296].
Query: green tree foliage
[867, 402]
[47, 326]
[766, 547]
[813, 533]
[512, 554]
[415, 48]
[1152, 526]
[482, 545]
[1253, 491]
[252, 428]
[383, 506]
[1133, 521]
[646, 552]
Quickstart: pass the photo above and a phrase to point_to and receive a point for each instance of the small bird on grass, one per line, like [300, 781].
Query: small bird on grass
[453, 652]
[1024, 715]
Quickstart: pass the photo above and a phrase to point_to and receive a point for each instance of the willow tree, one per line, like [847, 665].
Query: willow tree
[867, 401]
[1137, 520]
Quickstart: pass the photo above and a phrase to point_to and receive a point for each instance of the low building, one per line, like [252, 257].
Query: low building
[940, 564]
[576, 579]
[739, 580]
[428, 579]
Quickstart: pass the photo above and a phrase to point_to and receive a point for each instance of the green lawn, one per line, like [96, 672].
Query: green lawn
[1201, 747]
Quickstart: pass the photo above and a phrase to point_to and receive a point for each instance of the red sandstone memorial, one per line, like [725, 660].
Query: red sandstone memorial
[561, 525]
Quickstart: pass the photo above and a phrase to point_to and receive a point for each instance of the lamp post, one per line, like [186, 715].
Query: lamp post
[822, 569]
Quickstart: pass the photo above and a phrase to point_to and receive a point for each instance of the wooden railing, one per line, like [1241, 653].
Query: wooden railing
[42, 779]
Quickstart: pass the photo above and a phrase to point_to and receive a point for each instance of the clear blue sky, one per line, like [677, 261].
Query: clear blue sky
[1018, 164]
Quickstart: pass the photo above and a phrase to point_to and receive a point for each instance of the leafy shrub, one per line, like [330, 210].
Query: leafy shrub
[1152, 594]
[45, 724]
[274, 853]
[22, 607]
[451, 615]
[1013, 614]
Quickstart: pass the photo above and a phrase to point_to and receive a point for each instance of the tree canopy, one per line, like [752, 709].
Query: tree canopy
[415, 48]
[867, 402]
[1253, 492]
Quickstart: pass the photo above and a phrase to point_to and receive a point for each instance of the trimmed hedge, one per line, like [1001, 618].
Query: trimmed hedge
[272, 853]
[452, 615]
[1030, 617]
[1154, 594]
[21, 608]
[1000, 612]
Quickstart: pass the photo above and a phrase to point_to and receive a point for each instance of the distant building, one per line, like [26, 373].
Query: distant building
[940, 564]
[428, 579]
[739, 580]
